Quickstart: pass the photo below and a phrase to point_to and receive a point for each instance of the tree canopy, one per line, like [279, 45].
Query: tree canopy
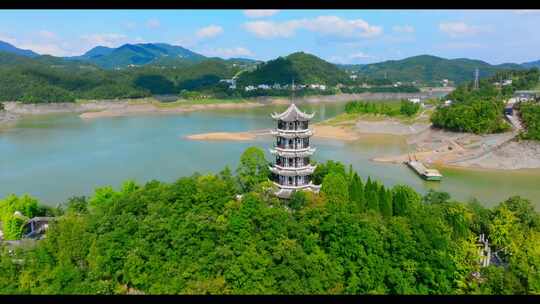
[195, 236]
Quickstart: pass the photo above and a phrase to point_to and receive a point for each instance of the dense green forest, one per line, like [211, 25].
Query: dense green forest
[481, 111]
[36, 80]
[475, 111]
[530, 117]
[195, 236]
[404, 107]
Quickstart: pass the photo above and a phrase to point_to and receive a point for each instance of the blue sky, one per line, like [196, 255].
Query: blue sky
[343, 36]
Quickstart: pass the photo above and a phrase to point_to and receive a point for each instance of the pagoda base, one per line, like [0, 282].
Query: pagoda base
[285, 191]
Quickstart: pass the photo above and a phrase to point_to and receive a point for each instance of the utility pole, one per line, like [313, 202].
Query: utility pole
[476, 74]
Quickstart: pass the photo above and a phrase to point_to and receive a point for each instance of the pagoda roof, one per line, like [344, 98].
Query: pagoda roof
[293, 114]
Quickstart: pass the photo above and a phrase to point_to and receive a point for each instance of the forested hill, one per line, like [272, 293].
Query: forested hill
[427, 68]
[302, 67]
[7, 47]
[52, 79]
[532, 64]
[136, 54]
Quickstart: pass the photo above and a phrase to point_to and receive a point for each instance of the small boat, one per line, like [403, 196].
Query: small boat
[425, 173]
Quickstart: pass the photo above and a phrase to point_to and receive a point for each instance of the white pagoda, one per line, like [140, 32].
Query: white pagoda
[292, 169]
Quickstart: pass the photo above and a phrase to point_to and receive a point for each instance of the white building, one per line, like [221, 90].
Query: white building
[414, 100]
[249, 88]
[353, 76]
[507, 82]
[263, 87]
[318, 86]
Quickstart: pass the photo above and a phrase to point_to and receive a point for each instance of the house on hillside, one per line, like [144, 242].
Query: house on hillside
[37, 226]
[445, 82]
[263, 87]
[317, 86]
[414, 100]
[249, 88]
[231, 82]
[527, 95]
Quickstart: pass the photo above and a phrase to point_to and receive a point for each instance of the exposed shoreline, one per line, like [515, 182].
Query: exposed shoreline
[431, 146]
[125, 107]
[319, 131]
[148, 108]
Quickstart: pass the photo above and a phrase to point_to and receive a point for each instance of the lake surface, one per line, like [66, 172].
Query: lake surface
[54, 157]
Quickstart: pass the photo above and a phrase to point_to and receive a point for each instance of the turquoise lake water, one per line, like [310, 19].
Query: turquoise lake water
[54, 157]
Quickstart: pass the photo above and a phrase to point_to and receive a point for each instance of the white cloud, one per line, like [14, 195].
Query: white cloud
[461, 29]
[209, 31]
[326, 25]
[47, 35]
[229, 52]
[153, 23]
[268, 29]
[46, 48]
[260, 13]
[8, 39]
[403, 29]
[109, 40]
[360, 55]
[47, 43]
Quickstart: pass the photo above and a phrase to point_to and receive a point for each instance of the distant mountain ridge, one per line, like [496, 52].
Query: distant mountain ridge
[136, 54]
[428, 68]
[303, 67]
[532, 64]
[9, 48]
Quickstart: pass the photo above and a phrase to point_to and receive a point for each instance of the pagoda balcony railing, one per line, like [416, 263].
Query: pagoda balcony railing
[292, 130]
[292, 134]
[306, 170]
[310, 185]
[304, 167]
[287, 148]
[293, 153]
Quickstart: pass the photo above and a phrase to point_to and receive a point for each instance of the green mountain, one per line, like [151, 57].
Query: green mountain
[532, 64]
[427, 69]
[54, 79]
[301, 67]
[9, 48]
[137, 54]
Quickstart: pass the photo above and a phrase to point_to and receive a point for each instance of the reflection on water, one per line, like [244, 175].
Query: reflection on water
[53, 157]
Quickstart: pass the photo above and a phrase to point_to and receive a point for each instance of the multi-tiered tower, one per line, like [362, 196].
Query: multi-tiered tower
[292, 169]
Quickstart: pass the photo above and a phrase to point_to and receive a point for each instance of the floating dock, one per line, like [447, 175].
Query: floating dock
[425, 173]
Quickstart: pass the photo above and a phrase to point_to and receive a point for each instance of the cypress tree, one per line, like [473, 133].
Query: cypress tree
[386, 202]
[372, 196]
[356, 193]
